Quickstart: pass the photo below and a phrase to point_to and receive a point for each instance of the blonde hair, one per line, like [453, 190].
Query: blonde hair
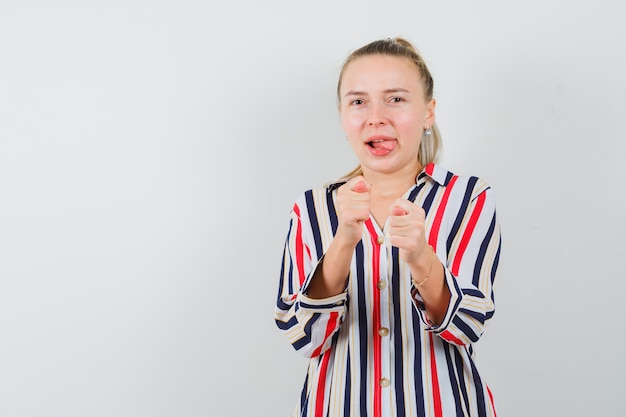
[430, 146]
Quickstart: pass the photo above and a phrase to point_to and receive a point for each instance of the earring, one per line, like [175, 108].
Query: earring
[428, 131]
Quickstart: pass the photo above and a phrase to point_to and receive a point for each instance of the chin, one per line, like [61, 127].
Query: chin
[380, 168]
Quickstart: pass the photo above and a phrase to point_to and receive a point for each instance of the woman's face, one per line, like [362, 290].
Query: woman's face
[384, 112]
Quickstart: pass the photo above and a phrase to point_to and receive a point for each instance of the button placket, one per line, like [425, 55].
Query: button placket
[384, 331]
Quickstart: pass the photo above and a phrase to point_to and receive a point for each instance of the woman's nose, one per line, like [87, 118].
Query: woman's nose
[376, 116]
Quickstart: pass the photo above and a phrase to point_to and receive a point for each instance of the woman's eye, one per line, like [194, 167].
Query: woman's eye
[397, 99]
[357, 102]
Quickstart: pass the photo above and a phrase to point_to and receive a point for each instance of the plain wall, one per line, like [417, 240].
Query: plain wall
[150, 153]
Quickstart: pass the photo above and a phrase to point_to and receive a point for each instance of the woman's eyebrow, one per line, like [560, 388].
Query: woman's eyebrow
[387, 91]
[397, 90]
[355, 93]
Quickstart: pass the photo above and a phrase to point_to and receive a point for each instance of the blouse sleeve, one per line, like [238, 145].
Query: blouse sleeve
[309, 324]
[470, 264]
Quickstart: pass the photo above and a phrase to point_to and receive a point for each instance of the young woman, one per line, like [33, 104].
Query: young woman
[387, 274]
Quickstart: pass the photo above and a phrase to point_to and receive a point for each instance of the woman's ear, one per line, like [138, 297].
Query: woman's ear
[430, 112]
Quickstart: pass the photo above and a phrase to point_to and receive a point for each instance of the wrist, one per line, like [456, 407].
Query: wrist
[347, 239]
[427, 261]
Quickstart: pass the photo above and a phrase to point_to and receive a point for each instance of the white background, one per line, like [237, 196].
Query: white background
[150, 152]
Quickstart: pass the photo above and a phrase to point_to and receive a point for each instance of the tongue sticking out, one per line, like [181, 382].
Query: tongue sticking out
[382, 147]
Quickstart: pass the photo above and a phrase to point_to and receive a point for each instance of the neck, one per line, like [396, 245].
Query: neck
[391, 186]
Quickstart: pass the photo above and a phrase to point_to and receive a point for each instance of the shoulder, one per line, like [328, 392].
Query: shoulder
[328, 190]
[469, 186]
[312, 198]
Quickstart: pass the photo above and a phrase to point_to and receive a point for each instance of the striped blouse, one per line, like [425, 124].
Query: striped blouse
[373, 351]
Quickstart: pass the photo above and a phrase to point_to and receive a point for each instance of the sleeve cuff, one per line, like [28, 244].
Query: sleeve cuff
[335, 303]
[456, 295]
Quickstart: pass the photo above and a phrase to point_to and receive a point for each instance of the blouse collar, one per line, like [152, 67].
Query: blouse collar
[431, 171]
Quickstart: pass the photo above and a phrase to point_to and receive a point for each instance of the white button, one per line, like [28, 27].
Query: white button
[382, 284]
[380, 239]
[384, 382]
[383, 331]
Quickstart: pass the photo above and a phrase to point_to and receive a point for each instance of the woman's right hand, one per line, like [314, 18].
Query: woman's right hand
[353, 208]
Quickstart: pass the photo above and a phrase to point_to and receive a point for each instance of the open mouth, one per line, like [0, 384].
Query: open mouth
[382, 144]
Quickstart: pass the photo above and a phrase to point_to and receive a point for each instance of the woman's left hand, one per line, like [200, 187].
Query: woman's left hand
[407, 231]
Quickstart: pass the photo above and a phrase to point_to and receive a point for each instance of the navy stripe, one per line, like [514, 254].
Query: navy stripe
[496, 261]
[279, 302]
[455, 307]
[454, 383]
[306, 339]
[282, 325]
[299, 344]
[457, 289]
[363, 328]
[335, 185]
[469, 188]
[480, 317]
[472, 292]
[417, 364]
[346, 398]
[458, 360]
[415, 191]
[467, 330]
[483, 251]
[318, 306]
[310, 205]
[428, 201]
[282, 305]
[478, 383]
[396, 286]
[332, 213]
[291, 272]
[304, 397]
[285, 257]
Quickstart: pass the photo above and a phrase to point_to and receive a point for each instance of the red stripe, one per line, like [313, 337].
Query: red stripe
[435, 379]
[376, 319]
[434, 230]
[429, 169]
[299, 247]
[493, 406]
[331, 325]
[321, 387]
[447, 335]
[471, 224]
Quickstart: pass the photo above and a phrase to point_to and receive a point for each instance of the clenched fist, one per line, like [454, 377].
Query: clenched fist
[353, 208]
[407, 231]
